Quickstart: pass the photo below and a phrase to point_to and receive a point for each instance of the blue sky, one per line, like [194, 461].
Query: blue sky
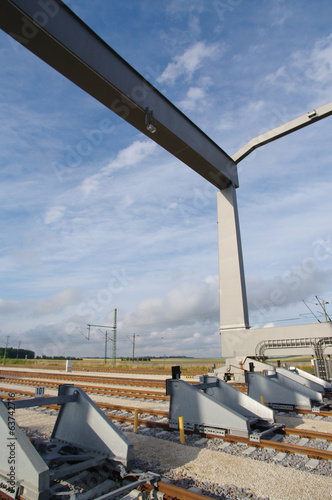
[94, 216]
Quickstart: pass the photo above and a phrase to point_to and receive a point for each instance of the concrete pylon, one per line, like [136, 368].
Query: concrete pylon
[232, 288]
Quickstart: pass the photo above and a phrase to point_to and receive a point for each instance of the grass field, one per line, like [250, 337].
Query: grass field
[89, 364]
[187, 365]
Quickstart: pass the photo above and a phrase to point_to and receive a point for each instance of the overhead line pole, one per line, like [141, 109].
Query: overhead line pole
[4, 356]
[134, 346]
[114, 339]
[323, 303]
[106, 333]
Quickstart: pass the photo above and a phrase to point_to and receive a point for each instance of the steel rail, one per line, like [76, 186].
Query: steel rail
[172, 492]
[306, 433]
[128, 393]
[96, 388]
[281, 447]
[102, 380]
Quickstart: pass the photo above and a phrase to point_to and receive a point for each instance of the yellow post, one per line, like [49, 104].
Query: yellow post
[181, 427]
[135, 420]
[262, 400]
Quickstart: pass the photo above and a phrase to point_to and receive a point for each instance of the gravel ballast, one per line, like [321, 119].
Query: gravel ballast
[221, 475]
[262, 479]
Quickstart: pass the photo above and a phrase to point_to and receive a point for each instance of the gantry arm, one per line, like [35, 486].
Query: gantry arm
[286, 128]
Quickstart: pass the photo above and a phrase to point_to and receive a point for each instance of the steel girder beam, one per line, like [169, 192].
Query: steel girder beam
[49, 29]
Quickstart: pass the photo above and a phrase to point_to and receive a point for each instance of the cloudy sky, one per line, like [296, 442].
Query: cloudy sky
[94, 216]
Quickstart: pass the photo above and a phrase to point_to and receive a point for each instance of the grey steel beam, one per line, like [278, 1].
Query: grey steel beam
[285, 129]
[29, 403]
[50, 30]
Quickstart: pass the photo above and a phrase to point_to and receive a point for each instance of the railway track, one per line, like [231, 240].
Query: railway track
[94, 389]
[300, 446]
[27, 378]
[151, 416]
[173, 492]
[83, 378]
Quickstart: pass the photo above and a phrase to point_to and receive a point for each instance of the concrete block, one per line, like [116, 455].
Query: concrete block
[162, 434]
[312, 463]
[146, 430]
[277, 437]
[201, 442]
[303, 442]
[195, 490]
[224, 445]
[280, 456]
[249, 450]
[320, 441]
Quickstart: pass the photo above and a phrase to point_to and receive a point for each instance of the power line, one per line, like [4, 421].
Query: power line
[323, 303]
[304, 302]
[106, 336]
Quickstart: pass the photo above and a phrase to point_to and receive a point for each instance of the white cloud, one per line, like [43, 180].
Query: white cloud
[187, 63]
[194, 97]
[90, 184]
[9, 306]
[127, 157]
[268, 298]
[57, 303]
[306, 68]
[132, 155]
[318, 65]
[186, 303]
[54, 214]
[52, 305]
[277, 75]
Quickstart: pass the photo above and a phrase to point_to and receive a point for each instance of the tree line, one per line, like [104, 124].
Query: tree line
[12, 353]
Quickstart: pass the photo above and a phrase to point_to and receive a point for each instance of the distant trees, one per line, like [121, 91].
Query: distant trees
[149, 358]
[12, 353]
[58, 357]
[139, 358]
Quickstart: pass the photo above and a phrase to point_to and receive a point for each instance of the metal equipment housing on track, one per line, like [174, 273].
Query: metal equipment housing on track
[288, 389]
[83, 439]
[215, 407]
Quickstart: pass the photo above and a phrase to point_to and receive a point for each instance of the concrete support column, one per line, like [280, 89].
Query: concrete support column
[232, 289]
